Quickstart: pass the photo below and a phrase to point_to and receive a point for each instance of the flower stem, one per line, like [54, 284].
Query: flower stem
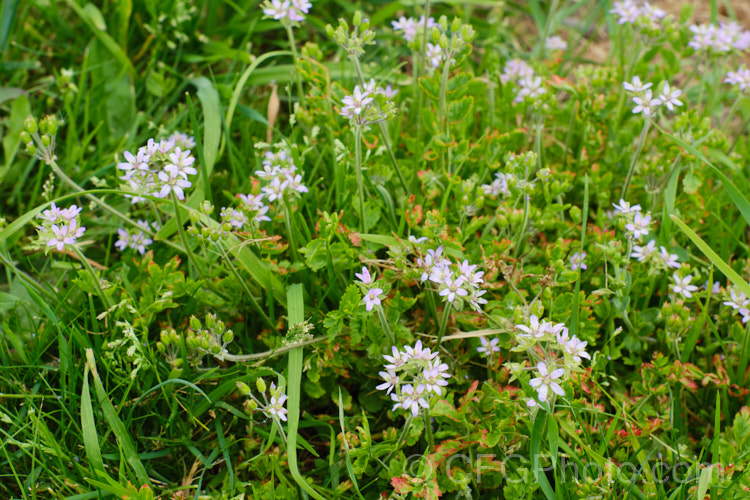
[243, 282]
[383, 128]
[290, 229]
[385, 325]
[298, 80]
[183, 237]
[418, 62]
[443, 322]
[443, 110]
[428, 429]
[638, 148]
[94, 277]
[360, 181]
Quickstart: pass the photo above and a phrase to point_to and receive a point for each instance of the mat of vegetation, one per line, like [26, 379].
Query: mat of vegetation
[414, 249]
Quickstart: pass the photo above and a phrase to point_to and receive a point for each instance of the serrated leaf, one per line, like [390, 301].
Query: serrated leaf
[459, 110]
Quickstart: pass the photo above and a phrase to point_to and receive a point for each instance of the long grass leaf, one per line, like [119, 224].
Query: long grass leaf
[717, 261]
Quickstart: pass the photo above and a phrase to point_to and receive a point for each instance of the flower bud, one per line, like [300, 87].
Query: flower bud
[195, 323]
[25, 137]
[260, 384]
[357, 20]
[30, 149]
[228, 336]
[210, 321]
[30, 124]
[243, 388]
[46, 140]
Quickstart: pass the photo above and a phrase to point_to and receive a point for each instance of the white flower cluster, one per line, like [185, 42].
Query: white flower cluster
[160, 168]
[529, 86]
[740, 78]
[720, 39]
[457, 283]
[413, 377]
[739, 303]
[631, 12]
[644, 100]
[137, 240]
[560, 355]
[373, 294]
[410, 27]
[252, 209]
[555, 43]
[293, 11]
[362, 107]
[638, 225]
[60, 227]
[281, 173]
[499, 186]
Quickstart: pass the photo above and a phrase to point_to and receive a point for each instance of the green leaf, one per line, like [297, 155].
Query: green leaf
[459, 110]
[296, 315]
[209, 98]
[717, 261]
[121, 432]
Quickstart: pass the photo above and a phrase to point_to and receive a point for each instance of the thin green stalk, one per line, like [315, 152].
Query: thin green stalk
[243, 282]
[297, 78]
[94, 277]
[443, 110]
[183, 237]
[419, 96]
[383, 129]
[385, 325]
[545, 31]
[730, 115]
[443, 323]
[360, 181]
[428, 429]
[244, 358]
[290, 229]
[638, 148]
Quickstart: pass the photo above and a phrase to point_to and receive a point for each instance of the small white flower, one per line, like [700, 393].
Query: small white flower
[546, 381]
[488, 346]
[372, 298]
[640, 226]
[391, 381]
[636, 86]
[682, 286]
[555, 43]
[172, 183]
[434, 54]
[411, 399]
[624, 207]
[356, 103]
[364, 277]
[577, 261]
[669, 98]
[276, 407]
[643, 252]
[645, 104]
[669, 259]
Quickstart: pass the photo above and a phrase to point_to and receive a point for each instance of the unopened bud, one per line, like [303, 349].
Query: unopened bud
[30, 124]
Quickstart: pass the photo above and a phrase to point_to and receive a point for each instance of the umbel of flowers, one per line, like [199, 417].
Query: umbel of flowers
[413, 378]
[159, 168]
[60, 227]
[553, 355]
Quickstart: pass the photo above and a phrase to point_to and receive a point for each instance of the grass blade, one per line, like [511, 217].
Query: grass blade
[717, 261]
[296, 314]
[121, 432]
